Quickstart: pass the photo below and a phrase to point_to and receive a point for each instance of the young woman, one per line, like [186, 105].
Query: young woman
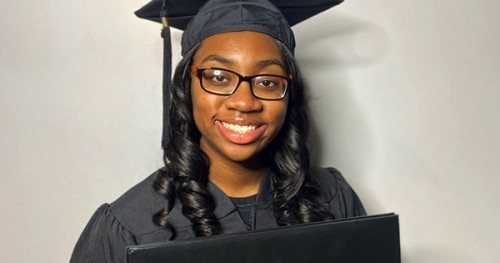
[237, 158]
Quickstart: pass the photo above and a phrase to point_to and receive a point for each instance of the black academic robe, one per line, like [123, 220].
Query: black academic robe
[128, 220]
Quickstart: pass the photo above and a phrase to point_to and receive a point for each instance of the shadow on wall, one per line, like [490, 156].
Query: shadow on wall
[341, 42]
[330, 46]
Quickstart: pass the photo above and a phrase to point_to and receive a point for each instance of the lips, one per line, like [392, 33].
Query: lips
[241, 131]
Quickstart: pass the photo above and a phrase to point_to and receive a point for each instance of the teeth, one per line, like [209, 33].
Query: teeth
[238, 128]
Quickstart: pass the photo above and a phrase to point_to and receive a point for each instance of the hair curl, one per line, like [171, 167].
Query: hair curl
[185, 175]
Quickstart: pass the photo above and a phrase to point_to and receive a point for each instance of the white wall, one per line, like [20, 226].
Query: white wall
[403, 97]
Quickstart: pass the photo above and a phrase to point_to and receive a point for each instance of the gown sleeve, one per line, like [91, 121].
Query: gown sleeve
[344, 201]
[103, 240]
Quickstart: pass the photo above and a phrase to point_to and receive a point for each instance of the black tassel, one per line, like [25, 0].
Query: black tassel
[167, 74]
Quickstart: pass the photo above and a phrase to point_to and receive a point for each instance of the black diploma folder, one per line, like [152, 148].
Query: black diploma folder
[373, 239]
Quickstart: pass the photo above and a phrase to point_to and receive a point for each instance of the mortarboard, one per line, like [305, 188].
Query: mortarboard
[201, 19]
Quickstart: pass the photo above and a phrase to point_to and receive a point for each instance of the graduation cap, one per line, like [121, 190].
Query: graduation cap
[201, 19]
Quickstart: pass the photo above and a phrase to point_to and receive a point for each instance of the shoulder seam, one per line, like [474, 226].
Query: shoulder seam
[120, 222]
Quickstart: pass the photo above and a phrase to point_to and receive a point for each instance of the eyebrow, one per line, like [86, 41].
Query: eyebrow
[270, 62]
[218, 58]
[261, 64]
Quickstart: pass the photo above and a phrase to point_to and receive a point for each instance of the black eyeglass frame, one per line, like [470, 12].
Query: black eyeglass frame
[198, 71]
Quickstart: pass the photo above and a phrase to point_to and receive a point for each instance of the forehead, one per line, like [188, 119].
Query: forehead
[241, 46]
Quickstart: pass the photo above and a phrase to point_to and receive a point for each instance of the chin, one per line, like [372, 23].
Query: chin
[237, 154]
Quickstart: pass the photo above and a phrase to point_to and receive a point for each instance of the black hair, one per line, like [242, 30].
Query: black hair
[185, 175]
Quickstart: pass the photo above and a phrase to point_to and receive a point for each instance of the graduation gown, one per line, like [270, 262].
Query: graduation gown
[128, 220]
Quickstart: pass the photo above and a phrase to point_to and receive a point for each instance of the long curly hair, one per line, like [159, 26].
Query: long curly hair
[185, 175]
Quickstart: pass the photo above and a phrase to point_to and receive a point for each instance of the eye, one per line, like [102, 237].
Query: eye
[268, 82]
[217, 76]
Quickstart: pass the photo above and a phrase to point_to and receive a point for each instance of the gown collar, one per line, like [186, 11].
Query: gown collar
[223, 204]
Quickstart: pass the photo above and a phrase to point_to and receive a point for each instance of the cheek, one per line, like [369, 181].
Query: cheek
[199, 107]
[279, 111]
[282, 118]
[204, 107]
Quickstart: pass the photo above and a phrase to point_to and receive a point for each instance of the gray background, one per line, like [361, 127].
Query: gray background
[404, 97]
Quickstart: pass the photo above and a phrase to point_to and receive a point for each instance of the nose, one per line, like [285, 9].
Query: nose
[243, 100]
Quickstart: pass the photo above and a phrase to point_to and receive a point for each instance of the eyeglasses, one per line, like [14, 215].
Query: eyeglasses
[225, 82]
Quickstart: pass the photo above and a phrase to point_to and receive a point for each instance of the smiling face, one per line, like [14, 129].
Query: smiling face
[238, 127]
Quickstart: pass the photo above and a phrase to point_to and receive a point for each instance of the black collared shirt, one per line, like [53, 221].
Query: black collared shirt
[128, 220]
